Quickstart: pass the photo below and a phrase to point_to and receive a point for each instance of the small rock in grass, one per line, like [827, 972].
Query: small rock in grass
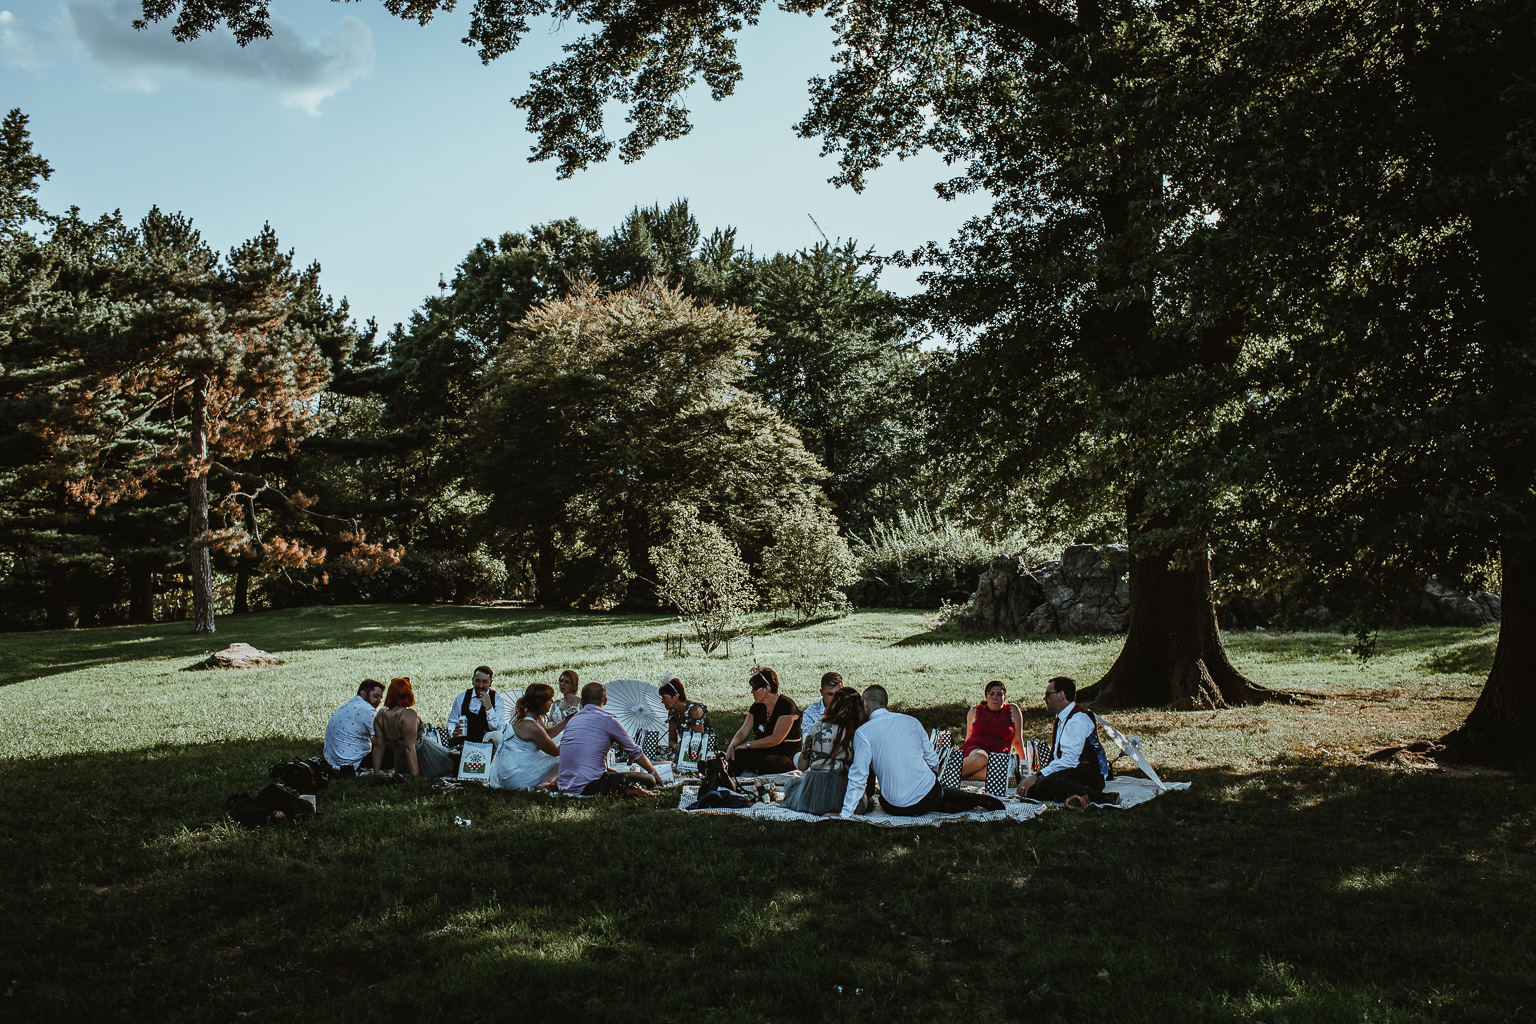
[237, 656]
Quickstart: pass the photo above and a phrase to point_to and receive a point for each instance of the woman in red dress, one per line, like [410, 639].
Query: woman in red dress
[992, 727]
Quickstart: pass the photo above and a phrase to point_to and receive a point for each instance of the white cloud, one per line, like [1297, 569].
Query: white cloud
[19, 43]
[303, 72]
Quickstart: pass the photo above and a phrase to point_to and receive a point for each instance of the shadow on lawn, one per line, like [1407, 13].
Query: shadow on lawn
[1300, 893]
[933, 638]
[353, 627]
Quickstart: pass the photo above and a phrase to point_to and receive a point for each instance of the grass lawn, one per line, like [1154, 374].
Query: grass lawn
[1294, 882]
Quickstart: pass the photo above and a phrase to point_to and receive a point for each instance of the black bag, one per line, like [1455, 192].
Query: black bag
[715, 774]
[240, 809]
[310, 775]
[280, 798]
[722, 798]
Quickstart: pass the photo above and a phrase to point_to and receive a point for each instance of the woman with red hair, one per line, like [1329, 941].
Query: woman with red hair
[401, 731]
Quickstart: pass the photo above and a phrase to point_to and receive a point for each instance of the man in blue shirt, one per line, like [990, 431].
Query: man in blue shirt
[896, 747]
[830, 684]
[349, 735]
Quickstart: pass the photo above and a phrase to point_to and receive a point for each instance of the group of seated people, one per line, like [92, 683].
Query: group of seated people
[841, 743]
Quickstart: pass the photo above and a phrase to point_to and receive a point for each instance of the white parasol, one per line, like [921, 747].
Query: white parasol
[637, 706]
[1132, 746]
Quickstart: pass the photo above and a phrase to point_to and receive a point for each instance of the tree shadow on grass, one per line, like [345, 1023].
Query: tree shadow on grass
[1299, 893]
[352, 627]
[1472, 659]
[934, 638]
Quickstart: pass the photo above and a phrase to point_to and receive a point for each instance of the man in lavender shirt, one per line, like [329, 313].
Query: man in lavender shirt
[584, 751]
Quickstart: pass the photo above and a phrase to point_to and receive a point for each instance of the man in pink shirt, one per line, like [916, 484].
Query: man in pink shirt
[584, 747]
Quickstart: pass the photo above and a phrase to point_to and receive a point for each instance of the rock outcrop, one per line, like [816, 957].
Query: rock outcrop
[1086, 591]
[1439, 605]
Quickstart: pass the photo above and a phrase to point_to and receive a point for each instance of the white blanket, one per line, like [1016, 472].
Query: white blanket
[1132, 791]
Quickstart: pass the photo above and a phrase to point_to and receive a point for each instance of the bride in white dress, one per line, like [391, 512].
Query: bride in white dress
[528, 757]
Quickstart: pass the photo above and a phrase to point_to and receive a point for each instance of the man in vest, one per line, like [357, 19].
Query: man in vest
[477, 715]
[1079, 766]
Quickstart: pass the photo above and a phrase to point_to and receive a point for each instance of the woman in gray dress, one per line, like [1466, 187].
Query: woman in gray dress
[825, 756]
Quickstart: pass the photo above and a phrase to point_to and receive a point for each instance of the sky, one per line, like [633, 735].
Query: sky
[385, 150]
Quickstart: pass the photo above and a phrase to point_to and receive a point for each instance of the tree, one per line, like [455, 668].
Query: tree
[808, 564]
[700, 573]
[1385, 218]
[172, 361]
[839, 365]
[1045, 111]
[606, 409]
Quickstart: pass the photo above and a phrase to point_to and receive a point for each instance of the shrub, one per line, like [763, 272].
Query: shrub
[420, 577]
[918, 560]
[700, 573]
[808, 564]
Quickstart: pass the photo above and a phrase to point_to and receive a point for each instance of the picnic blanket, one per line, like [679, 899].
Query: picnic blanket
[1132, 791]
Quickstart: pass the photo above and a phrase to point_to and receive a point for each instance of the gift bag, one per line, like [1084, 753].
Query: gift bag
[941, 738]
[475, 761]
[1041, 754]
[650, 743]
[693, 747]
[949, 773]
[997, 774]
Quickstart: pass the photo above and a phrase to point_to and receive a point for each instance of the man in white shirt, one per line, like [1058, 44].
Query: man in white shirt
[896, 747]
[830, 684]
[477, 713]
[349, 735]
[1078, 766]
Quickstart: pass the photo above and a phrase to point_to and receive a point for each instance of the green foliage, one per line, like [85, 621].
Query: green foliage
[22, 172]
[919, 560]
[808, 564]
[604, 410]
[837, 363]
[700, 573]
[422, 576]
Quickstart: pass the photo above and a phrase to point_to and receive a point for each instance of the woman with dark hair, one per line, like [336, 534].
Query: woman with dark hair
[769, 738]
[683, 715]
[528, 757]
[570, 697]
[991, 727]
[404, 735]
[828, 753]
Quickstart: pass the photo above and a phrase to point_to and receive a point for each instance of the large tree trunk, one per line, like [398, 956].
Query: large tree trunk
[201, 565]
[1173, 652]
[640, 593]
[242, 590]
[141, 596]
[1498, 731]
[58, 597]
[544, 572]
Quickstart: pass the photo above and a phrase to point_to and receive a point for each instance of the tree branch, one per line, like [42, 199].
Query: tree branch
[1031, 19]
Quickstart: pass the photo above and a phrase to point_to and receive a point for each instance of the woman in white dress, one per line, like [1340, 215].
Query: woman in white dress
[528, 757]
[570, 701]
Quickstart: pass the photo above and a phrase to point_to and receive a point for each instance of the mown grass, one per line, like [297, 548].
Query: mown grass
[1294, 881]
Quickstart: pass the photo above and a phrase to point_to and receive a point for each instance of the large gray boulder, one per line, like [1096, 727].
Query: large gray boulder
[1441, 606]
[1087, 591]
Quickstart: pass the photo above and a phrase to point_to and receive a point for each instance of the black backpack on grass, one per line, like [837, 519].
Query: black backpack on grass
[275, 805]
[310, 775]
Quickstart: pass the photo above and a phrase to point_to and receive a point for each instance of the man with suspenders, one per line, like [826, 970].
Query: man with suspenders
[477, 715]
[1079, 767]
